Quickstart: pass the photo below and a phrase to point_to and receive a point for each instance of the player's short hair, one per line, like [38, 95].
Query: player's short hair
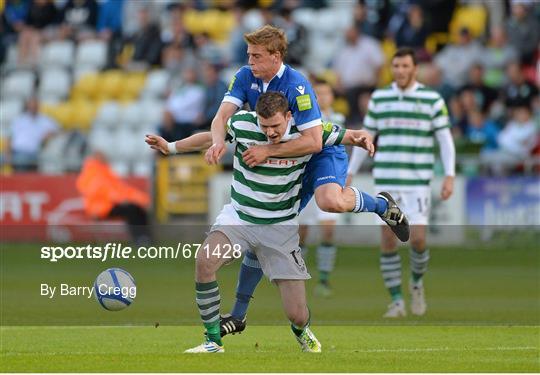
[406, 51]
[273, 38]
[271, 103]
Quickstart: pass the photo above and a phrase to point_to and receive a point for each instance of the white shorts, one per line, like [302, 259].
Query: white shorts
[313, 215]
[276, 246]
[415, 204]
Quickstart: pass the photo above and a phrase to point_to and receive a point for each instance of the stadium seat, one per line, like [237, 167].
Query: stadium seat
[57, 54]
[103, 140]
[18, 85]
[83, 114]
[92, 53]
[85, 87]
[52, 156]
[304, 16]
[10, 109]
[54, 85]
[157, 84]
[473, 17]
[132, 86]
[131, 116]
[151, 113]
[110, 84]
[108, 115]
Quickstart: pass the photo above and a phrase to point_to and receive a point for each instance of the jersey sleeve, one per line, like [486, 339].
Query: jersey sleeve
[440, 119]
[332, 134]
[237, 91]
[304, 106]
[370, 119]
[231, 135]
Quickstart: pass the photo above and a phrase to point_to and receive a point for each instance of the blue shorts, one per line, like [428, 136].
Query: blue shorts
[328, 166]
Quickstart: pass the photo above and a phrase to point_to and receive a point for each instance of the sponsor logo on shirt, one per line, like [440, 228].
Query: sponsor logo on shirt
[303, 102]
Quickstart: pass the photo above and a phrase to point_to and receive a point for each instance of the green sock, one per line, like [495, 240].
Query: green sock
[208, 301]
[390, 264]
[323, 277]
[213, 331]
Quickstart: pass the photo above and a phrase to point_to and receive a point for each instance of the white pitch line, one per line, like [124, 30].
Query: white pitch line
[447, 349]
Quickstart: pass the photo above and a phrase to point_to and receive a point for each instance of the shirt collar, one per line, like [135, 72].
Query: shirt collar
[279, 73]
[408, 91]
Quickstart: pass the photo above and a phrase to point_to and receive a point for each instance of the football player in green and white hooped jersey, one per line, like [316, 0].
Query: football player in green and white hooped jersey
[267, 194]
[407, 116]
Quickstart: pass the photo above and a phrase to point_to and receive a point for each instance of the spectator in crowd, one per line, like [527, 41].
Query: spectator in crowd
[237, 45]
[178, 45]
[146, 42]
[184, 109]
[109, 28]
[130, 21]
[29, 132]
[38, 26]
[372, 17]
[496, 56]
[413, 32]
[482, 131]
[215, 88]
[455, 60]
[14, 17]
[297, 37]
[360, 51]
[207, 50]
[107, 196]
[515, 143]
[523, 30]
[519, 91]
[431, 75]
[79, 19]
[484, 95]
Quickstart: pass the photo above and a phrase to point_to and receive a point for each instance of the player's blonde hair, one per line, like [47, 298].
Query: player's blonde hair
[273, 38]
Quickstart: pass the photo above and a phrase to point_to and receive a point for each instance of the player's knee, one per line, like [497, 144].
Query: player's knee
[418, 243]
[204, 267]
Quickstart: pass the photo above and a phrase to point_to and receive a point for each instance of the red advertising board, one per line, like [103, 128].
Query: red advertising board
[42, 207]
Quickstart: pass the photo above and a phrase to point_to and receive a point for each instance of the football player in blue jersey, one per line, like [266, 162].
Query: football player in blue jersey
[326, 172]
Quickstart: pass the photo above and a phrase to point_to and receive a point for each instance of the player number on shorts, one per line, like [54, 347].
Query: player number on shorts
[422, 204]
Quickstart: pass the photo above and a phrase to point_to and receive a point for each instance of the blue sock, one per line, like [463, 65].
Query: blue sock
[248, 278]
[368, 203]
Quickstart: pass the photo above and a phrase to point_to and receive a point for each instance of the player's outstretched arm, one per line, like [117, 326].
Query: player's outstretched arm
[219, 128]
[196, 142]
[359, 138]
[310, 142]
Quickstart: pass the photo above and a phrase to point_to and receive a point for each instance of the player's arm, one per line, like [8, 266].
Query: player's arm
[196, 142]
[218, 131]
[441, 124]
[362, 139]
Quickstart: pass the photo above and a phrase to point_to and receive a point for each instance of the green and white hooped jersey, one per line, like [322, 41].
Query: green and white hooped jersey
[268, 193]
[406, 122]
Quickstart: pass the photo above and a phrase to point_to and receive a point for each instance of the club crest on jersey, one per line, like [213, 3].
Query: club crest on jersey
[255, 86]
[301, 89]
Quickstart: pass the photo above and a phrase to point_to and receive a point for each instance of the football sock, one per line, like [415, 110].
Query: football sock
[391, 273]
[248, 278]
[326, 258]
[208, 300]
[419, 264]
[367, 203]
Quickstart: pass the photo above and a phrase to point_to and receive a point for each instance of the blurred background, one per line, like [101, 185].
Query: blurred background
[83, 78]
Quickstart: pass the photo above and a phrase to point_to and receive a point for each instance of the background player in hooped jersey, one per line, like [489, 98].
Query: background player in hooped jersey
[407, 116]
[312, 215]
[262, 215]
[326, 171]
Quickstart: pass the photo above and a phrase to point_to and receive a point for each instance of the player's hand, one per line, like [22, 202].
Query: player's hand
[362, 138]
[157, 143]
[215, 153]
[447, 187]
[255, 155]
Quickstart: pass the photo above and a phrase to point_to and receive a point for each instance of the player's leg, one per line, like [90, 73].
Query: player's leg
[249, 276]
[329, 173]
[293, 297]
[208, 298]
[326, 252]
[419, 258]
[390, 266]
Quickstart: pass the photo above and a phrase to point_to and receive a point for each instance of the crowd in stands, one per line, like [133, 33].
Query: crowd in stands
[481, 55]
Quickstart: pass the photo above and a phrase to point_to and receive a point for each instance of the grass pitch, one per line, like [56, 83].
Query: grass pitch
[272, 349]
[483, 316]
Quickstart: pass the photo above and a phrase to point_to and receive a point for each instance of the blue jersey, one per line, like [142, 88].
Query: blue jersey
[246, 88]
[328, 166]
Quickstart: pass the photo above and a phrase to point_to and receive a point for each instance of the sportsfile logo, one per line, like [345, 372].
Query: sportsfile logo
[120, 251]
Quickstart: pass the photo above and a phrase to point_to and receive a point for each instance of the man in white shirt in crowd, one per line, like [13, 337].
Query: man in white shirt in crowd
[29, 132]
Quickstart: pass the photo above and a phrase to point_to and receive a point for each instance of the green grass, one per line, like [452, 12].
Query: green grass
[483, 316]
[272, 349]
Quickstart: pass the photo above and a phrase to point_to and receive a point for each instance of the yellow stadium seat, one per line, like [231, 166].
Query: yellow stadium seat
[133, 85]
[62, 113]
[83, 114]
[193, 21]
[473, 17]
[86, 87]
[111, 84]
[434, 40]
